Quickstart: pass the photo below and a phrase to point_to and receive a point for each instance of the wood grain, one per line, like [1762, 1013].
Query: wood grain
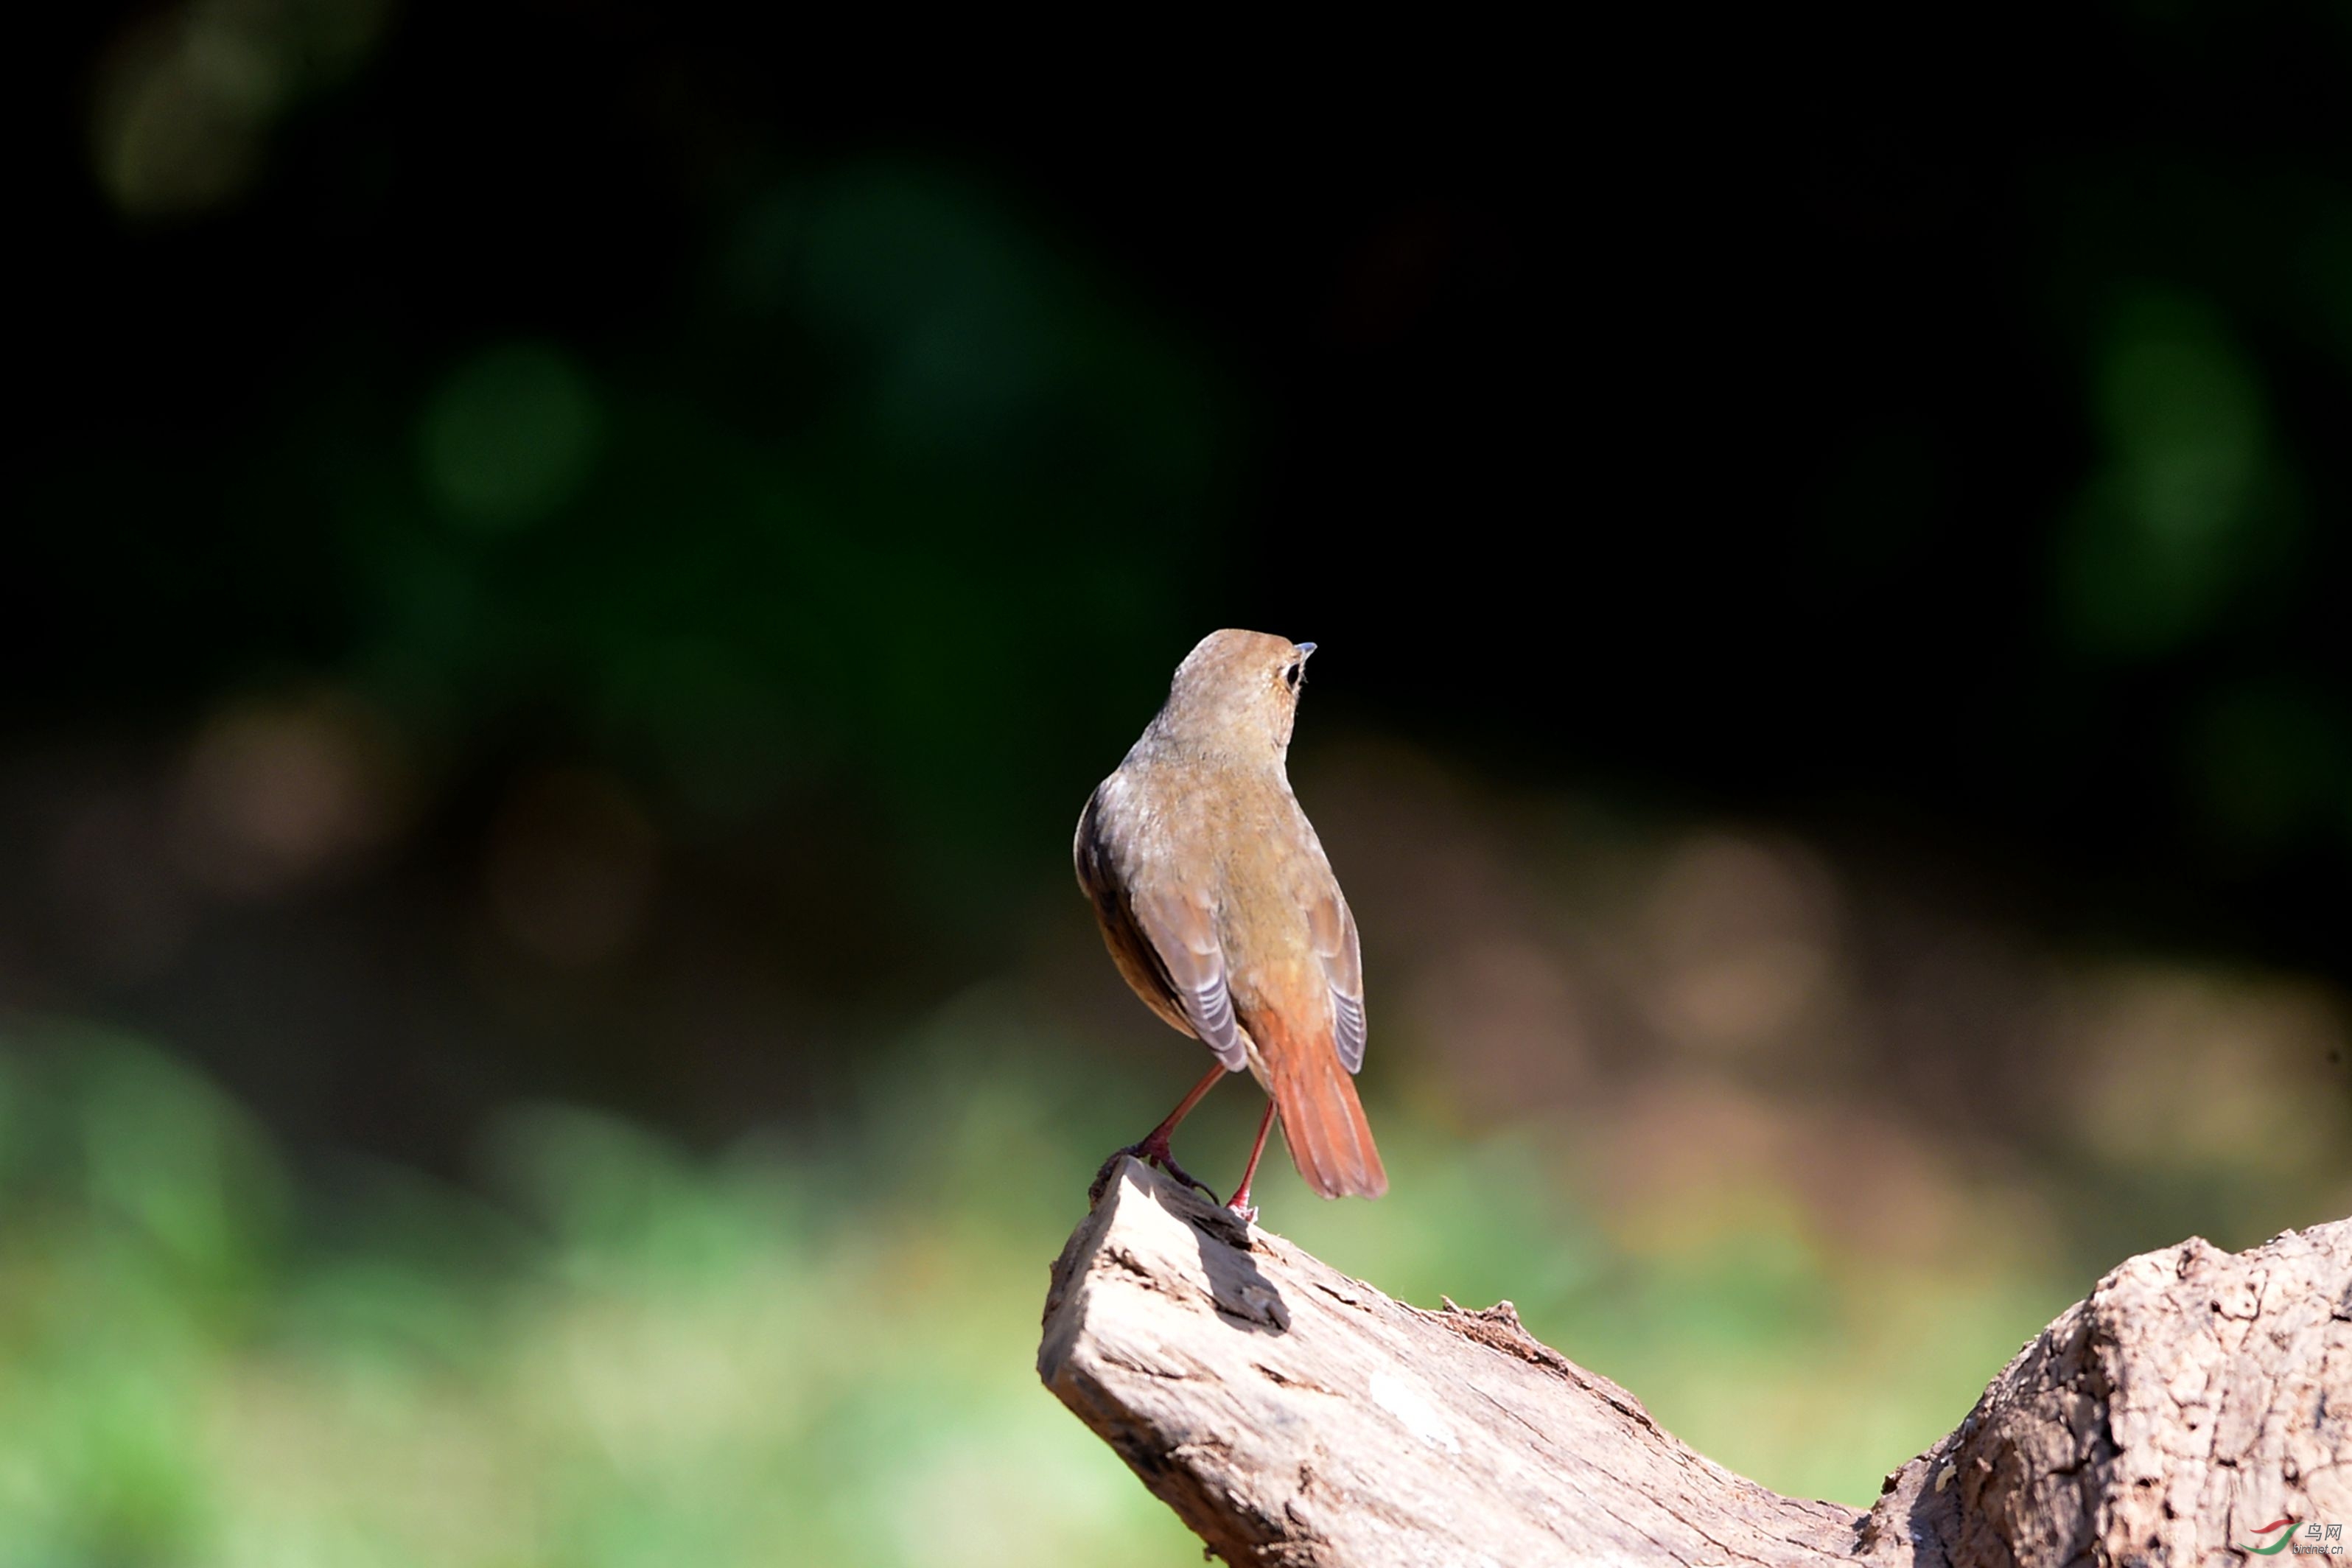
[1292, 1416]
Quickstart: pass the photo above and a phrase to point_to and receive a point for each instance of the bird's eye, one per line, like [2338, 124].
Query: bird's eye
[1290, 674]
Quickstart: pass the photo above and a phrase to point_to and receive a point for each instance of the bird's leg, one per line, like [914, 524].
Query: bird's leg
[1241, 1204]
[1153, 1150]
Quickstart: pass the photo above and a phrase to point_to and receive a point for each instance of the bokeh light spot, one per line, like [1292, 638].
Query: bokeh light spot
[953, 310]
[186, 95]
[571, 864]
[276, 792]
[509, 436]
[2171, 521]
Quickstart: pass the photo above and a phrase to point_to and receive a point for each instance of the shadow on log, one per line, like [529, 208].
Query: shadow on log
[1292, 1415]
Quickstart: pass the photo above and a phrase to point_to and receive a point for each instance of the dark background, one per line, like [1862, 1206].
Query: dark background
[591, 554]
[1732, 432]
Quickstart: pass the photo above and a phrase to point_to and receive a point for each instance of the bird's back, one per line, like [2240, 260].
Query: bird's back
[1234, 843]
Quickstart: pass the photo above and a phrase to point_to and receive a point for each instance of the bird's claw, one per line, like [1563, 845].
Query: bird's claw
[1152, 1151]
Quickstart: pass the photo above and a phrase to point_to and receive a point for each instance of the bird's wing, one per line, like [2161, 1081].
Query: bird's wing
[1334, 929]
[1165, 945]
[1182, 933]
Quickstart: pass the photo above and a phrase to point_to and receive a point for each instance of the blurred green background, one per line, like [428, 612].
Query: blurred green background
[574, 565]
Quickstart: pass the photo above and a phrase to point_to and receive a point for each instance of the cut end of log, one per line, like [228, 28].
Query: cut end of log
[1292, 1416]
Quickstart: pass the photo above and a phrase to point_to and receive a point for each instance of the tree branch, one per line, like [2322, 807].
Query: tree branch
[1292, 1415]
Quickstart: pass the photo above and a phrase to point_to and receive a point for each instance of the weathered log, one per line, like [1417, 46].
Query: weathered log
[1292, 1416]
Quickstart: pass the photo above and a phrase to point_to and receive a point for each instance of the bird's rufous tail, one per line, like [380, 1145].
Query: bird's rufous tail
[1322, 1120]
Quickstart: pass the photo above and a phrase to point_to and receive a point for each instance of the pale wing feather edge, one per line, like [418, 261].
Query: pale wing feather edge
[1183, 937]
[1334, 925]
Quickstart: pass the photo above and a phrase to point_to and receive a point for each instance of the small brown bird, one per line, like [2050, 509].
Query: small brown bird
[1220, 909]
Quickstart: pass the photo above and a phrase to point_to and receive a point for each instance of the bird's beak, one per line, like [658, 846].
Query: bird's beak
[1305, 649]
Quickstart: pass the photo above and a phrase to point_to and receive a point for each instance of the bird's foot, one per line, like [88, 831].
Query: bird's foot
[1244, 1212]
[1152, 1150]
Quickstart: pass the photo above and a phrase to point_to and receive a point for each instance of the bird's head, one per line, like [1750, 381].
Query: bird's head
[1237, 692]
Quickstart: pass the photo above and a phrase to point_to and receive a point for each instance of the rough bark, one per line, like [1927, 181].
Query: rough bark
[1292, 1416]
